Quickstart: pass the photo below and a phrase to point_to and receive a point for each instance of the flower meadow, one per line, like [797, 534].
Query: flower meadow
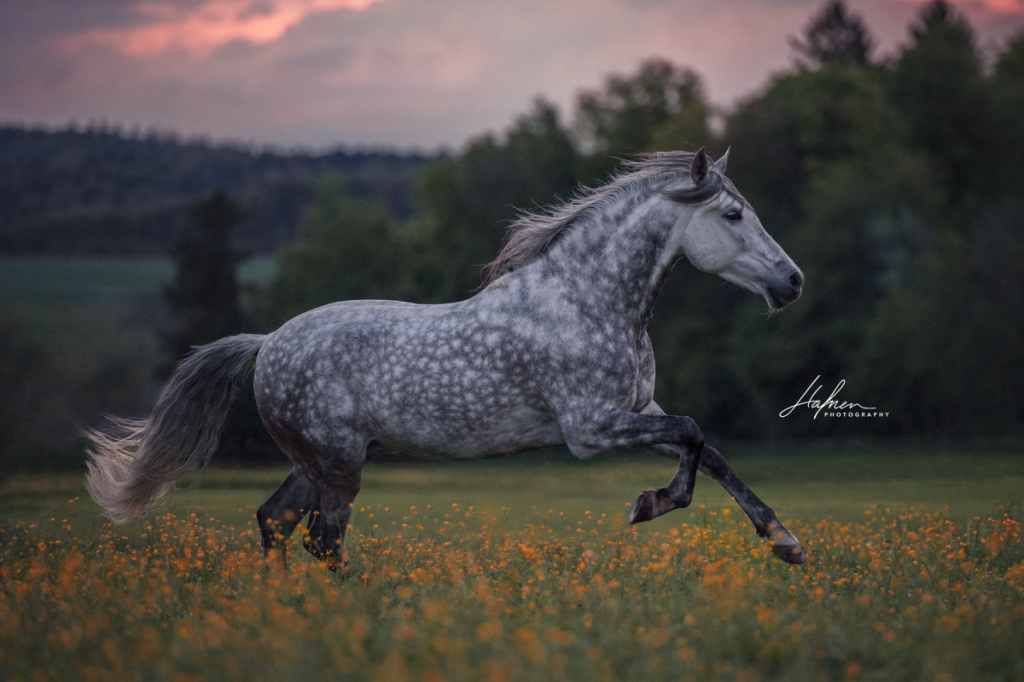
[450, 592]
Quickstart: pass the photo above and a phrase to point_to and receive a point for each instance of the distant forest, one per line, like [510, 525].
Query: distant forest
[101, 191]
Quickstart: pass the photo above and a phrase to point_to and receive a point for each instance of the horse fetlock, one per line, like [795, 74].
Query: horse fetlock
[313, 538]
[323, 539]
[652, 503]
[785, 545]
[314, 546]
[274, 558]
[326, 551]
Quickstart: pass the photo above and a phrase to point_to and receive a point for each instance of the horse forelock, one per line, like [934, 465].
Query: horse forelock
[534, 232]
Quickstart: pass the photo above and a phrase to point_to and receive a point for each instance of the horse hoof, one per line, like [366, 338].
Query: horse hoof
[643, 508]
[790, 554]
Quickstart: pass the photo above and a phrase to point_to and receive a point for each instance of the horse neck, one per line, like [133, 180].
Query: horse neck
[619, 261]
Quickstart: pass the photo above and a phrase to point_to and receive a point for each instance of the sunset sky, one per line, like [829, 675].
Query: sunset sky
[400, 73]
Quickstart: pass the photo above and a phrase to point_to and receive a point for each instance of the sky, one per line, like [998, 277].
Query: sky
[401, 74]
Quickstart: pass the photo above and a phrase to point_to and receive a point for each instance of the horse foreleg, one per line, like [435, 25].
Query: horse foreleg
[766, 523]
[678, 494]
[281, 513]
[784, 544]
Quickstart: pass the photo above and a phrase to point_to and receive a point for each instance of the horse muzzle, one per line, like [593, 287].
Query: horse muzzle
[784, 291]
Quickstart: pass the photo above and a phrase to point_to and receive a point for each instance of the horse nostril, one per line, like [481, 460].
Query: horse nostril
[796, 279]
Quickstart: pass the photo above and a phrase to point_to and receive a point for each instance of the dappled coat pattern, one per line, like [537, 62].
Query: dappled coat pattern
[553, 350]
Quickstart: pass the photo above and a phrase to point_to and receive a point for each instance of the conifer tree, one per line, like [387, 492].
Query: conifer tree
[205, 297]
[835, 35]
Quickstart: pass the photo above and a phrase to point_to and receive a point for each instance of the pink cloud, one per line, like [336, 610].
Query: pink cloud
[204, 28]
[1000, 6]
[400, 72]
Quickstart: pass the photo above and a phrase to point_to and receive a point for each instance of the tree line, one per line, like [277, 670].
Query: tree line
[99, 191]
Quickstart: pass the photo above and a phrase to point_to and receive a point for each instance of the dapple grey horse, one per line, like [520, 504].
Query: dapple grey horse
[554, 349]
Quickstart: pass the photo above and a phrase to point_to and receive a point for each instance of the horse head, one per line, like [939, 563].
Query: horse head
[722, 235]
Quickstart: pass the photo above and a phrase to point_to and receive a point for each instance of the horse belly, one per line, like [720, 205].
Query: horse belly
[430, 429]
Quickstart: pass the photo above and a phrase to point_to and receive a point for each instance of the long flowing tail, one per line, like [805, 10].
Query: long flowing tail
[140, 460]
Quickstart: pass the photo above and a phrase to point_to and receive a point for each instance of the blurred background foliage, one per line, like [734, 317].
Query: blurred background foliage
[895, 183]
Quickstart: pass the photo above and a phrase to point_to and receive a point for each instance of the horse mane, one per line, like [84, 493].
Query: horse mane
[534, 232]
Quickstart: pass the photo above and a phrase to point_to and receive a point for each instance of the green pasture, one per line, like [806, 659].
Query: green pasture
[60, 282]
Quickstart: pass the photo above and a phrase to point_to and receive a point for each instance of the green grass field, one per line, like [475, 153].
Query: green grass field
[806, 482]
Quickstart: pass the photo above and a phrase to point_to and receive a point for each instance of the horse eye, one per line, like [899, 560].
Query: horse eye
[733, 216]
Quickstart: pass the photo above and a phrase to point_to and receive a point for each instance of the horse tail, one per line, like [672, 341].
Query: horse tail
[140, 460]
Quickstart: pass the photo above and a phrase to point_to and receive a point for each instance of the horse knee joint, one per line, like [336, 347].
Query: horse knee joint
[693, 436]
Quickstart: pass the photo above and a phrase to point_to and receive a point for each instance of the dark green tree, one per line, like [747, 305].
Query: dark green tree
[938, 87]
[803, 123]
[22, 372]
[345, 249]
[866, 220]
[660, 107]
[206, 302]
[836, 184]
[1006, 159]
[836, 35]
[945, 344]
[946, 349]
[205, 295]
[468, 203]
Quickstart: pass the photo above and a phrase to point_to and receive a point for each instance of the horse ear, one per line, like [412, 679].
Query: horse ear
[721, 163]
[700, 166]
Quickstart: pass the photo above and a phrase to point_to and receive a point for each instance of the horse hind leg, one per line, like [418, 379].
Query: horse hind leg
[336, 492]
[333, 474]
[281, 513]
